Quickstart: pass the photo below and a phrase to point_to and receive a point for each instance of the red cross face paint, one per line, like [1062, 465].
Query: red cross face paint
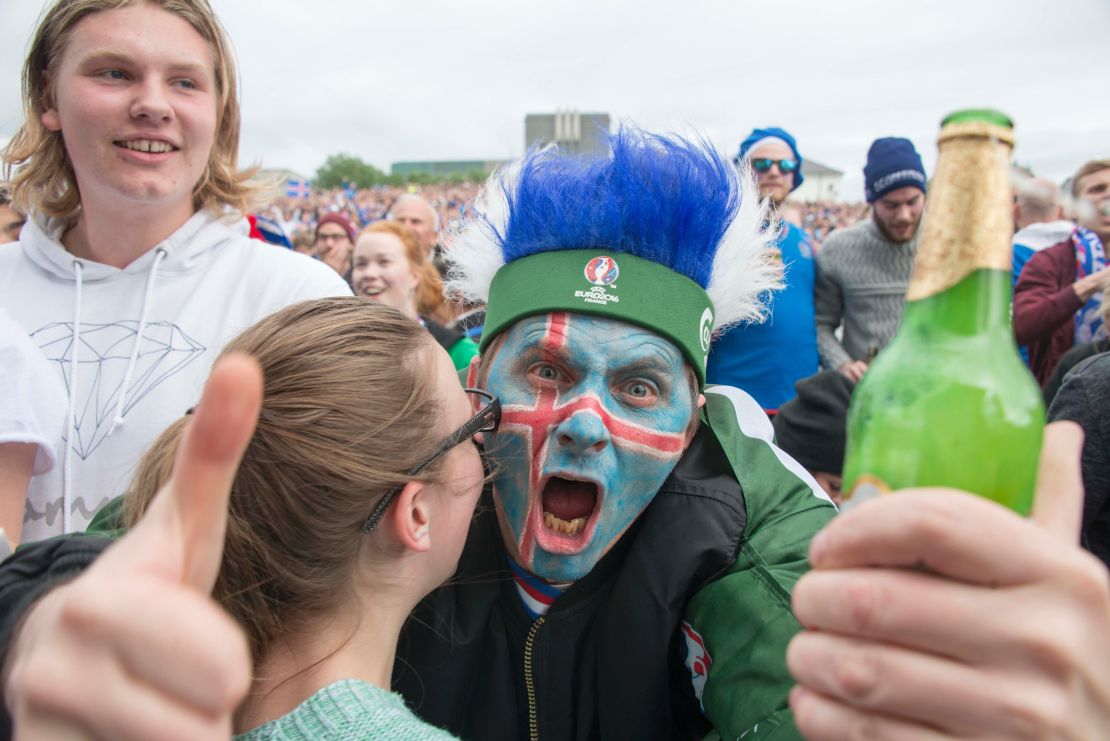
[595, 415]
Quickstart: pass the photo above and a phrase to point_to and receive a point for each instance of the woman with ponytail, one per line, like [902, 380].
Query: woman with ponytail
[352, 502]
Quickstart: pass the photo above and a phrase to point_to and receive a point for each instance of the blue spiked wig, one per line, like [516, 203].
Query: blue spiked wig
[683, 231]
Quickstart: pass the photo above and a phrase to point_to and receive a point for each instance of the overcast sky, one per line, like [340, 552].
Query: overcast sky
[442, 79]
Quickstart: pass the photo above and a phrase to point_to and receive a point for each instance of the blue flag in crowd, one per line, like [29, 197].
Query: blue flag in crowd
[271, 231]
[297, 189]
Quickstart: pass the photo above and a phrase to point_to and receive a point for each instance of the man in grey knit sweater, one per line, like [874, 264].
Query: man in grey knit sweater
[863, 271]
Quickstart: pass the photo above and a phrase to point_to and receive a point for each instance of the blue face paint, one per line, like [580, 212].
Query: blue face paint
[594, 418]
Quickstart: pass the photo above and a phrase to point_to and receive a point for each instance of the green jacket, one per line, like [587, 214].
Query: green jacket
[744, 617]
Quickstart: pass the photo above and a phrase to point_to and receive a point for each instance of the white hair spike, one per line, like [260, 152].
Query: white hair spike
[475, 254]
[744, 272]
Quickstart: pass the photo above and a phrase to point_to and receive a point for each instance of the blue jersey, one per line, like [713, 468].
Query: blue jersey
[766, 359]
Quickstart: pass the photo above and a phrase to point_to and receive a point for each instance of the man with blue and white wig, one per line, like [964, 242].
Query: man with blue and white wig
[630, 573]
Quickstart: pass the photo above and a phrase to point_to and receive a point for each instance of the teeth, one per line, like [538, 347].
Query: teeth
[566, 527]
[146, 145]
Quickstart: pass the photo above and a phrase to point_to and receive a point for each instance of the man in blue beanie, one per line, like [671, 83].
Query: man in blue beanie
[863, 271]
[765, 359]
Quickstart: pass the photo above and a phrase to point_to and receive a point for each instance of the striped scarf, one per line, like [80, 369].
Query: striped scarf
[1089, 258]
[537, 595]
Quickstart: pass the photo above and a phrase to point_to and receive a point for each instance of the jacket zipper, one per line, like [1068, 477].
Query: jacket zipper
[529, 682]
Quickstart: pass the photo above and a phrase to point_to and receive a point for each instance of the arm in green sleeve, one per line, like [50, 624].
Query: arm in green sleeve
[744, 617]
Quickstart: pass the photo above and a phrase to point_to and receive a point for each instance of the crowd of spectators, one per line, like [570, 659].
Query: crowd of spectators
[293, 535]
[819, 219]
[298, 215]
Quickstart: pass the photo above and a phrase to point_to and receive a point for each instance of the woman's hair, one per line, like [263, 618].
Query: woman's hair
[37, 169]
[429, 293]
[348, 405]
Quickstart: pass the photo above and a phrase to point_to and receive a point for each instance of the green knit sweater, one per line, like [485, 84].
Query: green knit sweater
[348, 709]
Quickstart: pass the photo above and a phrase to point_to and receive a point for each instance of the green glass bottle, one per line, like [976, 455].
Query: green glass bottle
[949, 402]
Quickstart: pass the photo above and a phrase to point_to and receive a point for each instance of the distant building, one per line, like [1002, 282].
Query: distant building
[439, 169]
[574, 132]
[822, 183]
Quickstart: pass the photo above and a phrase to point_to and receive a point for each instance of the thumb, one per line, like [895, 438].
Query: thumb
[182, 532]
[1058, 502]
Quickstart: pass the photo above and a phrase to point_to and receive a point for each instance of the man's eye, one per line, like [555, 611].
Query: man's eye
[546, 372]
[640, 392]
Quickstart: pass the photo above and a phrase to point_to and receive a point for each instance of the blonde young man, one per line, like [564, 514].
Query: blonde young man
[134, 267]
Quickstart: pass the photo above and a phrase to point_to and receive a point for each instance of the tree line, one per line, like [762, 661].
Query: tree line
[340, 170]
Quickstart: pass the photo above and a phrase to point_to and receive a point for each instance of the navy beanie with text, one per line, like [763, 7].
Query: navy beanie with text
[892, 163]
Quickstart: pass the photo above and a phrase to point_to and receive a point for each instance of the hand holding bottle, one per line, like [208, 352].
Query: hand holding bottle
[135, 648]
[936, 614]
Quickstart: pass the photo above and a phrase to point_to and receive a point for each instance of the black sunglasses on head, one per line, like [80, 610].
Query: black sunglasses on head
[486, 420]
[763, 165]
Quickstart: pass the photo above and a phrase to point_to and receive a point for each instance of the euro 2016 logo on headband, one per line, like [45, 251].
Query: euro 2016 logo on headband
[602, 271]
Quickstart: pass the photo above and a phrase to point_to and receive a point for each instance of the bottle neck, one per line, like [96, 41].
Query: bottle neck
[969, 219]
[978, 303]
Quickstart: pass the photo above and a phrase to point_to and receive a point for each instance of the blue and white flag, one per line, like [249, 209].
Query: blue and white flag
[297, 188]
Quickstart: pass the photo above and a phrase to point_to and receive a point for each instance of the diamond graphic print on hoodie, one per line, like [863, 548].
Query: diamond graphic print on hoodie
[164, 351]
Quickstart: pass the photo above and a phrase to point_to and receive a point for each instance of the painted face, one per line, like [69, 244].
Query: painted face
[135, 98]
[595, 415]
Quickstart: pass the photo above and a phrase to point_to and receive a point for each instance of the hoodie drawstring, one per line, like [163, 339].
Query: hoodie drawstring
[71, 436]
[117, 420]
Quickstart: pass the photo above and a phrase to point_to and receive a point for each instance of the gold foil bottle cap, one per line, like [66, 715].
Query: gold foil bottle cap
[968, 220]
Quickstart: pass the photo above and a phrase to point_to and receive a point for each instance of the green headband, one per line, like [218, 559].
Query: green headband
[613, 285]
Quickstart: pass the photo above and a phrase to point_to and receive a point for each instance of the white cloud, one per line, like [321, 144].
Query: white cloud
[437, 79]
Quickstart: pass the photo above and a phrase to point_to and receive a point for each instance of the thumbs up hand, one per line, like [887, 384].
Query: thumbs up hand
[135, 648]
[938, 614]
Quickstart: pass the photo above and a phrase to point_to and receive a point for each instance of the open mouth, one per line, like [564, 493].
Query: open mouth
[569, 514]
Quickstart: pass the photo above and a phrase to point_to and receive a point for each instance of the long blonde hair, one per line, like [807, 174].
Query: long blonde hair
[348, 407]
[37, 170]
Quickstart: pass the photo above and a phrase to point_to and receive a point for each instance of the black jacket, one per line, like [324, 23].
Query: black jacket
[605, 661]
[29, 573]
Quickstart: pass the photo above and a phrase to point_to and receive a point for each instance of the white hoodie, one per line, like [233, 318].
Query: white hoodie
[134, 346]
